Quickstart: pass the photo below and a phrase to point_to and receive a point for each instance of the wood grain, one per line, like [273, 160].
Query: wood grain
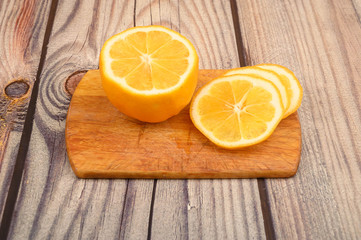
[104, 143]
[22, 27]
[187, 207]
[318, 41]
[113, 208]
[52, 202]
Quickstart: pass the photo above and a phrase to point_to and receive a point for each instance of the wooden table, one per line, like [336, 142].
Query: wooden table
[44, 45]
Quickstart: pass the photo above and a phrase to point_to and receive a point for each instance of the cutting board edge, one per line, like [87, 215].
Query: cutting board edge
[84, 174]
[99, 174]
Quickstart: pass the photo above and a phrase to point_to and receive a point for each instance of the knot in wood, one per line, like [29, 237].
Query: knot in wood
[72, 81]
[17, 88]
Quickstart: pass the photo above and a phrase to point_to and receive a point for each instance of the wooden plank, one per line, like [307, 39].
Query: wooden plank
[53, 203]
[318, 41]
[104, 143]
[206, 209]
[22, 28]
[96, 206]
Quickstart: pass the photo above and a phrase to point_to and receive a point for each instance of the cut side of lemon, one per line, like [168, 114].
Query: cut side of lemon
[265, 74]
[237, 111]
[149, 73]
[290, 81]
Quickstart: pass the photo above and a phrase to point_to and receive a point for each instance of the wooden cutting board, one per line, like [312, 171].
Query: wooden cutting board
[104, 143]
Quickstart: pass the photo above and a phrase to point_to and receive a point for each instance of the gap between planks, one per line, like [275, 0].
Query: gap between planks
[244, 61]
[265, 206]
[26, 134]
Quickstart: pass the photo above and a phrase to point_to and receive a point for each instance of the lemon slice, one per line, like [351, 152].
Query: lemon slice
[266, 74]
[293, 86]
[237, 111]
[149, 73]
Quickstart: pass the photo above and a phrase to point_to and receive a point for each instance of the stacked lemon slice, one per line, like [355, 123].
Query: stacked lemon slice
[244, 106]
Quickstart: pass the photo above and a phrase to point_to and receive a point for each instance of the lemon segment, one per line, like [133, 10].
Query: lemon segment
[237, 111]
[266, 74]
[291, 83]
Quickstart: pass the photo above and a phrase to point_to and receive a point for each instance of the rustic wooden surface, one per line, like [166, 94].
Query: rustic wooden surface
[104, 143]
[129, 208]
[318, 40]
[22, 29]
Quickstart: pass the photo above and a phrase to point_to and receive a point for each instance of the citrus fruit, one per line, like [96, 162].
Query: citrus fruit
[266, 74]
[293, 86]
[237, 111]
[149, 73]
